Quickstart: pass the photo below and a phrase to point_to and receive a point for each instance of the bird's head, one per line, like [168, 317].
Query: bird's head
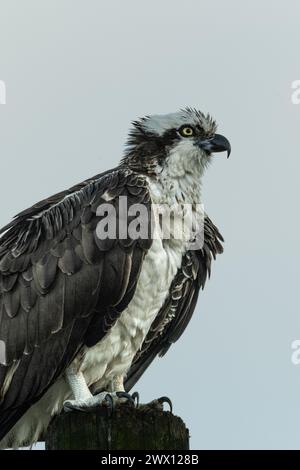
[181, 142]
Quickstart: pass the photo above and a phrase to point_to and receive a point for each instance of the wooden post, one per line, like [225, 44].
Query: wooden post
[128, 429]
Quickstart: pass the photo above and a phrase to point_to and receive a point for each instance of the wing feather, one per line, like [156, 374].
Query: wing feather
[57, 282]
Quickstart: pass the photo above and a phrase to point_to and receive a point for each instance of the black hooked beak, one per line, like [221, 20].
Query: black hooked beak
[217, 143]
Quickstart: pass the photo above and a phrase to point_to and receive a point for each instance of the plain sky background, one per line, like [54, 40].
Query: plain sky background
[77, 72]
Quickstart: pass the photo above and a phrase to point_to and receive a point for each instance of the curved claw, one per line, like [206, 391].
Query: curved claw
[67, 406]
[136, 397]
[110, 403]
[163, 400]
[127, 396]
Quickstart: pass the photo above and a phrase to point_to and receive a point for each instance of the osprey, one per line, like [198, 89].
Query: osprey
[83, 316]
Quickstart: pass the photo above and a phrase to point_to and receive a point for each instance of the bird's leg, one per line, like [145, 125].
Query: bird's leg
[84, 400]
[117, 383]
[78, 384]
[116, 386]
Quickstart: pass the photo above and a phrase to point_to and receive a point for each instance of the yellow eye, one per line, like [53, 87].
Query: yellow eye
[186, 131]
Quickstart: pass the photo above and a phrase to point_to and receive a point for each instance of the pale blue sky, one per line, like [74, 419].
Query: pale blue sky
[77, 72]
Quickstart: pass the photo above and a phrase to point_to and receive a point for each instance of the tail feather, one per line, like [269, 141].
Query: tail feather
[8, 418]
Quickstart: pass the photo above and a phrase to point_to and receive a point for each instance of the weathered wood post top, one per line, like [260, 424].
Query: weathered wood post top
[127, 429]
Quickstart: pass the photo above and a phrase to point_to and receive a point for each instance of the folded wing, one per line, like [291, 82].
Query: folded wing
[61, 287]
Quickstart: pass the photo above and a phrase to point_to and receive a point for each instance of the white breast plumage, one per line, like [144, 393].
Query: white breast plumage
[113, 355]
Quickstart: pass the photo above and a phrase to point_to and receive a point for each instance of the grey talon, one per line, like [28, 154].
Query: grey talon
[136, 398]
[110, 403]
[163, 400]
[67, 408]
[127, 396]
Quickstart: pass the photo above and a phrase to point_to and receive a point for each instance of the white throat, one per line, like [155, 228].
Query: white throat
[179, 181]
[177, 186]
